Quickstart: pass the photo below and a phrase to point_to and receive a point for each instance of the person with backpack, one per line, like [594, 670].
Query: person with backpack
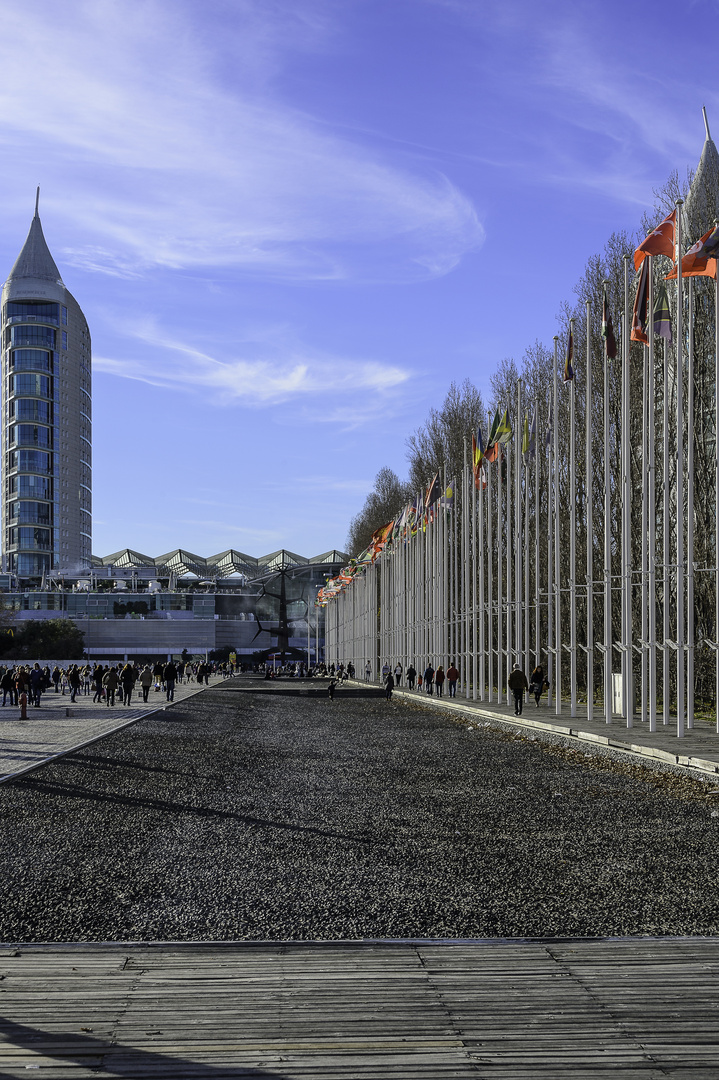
[517, 682]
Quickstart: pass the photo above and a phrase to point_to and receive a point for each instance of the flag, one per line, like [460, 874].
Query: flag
[568, 369]
[525, 438]
[433, 492]
[477, 455]
[695, 263]
[610, 343]
[663, 315]
[533, 434]
[639, 315]
[447, 500]
[492, 450]
[492, 438]
[504, 431]
[710, 247]
[659, 242]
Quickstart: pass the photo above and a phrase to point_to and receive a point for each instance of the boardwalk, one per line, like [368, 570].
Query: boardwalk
[60, 726]
[561, 1010]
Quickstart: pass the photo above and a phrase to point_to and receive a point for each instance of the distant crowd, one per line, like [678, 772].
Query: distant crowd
[107, 683]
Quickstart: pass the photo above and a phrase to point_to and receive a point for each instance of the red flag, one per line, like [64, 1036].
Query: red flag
[659, 242]
[694, 264]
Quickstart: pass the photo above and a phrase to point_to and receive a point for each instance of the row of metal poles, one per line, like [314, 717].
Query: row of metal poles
[494, 581]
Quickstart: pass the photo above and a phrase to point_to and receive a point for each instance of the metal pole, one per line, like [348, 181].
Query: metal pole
[557, 592]
[652, 526]
[608, 687]
[627, 657]
[572, 543]
[690, 513]
[680, 485]
[588, 493]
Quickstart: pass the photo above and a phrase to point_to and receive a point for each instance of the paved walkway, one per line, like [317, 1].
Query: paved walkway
[422, 1010]
[59, 726]
[697, 751]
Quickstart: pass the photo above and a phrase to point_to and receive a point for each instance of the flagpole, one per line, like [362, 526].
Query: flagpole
[572, 543]
[644, 550]
[652, 511]
[508, 524]
[690, 514]
[608, 688]
[716, 497]
[550, 556]
[537, 625]
[474, 590]
[467, 478]
[518, 540]
[680, 485]
[479, 519]
[666, 545]
[589, 495]
[627, 644]
[500, 637]
[527, 603]
[557, 593]
[490, 585]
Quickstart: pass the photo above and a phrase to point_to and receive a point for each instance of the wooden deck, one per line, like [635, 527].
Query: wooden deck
[427, 1010]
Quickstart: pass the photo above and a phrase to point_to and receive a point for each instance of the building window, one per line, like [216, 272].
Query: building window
[30, 435]
[64, 315]
[33, 310]
[30, 409]
[30, 360]
[40, 336]
[39, 385]
[64, 339]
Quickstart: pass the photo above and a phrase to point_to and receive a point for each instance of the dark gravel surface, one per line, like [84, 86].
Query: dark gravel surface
[263, 817]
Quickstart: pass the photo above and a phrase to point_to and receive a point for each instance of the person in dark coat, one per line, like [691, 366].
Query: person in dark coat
[429, 678]
[389, 685]
[536, 683]
[411, 676]
[518, 684]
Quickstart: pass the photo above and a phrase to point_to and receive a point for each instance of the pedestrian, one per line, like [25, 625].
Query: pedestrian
[385, 671]
[398, 674]
[146, 681]
[537, 683]
[389, 685]
[420, 676]
[429, 678]
[331, 689]
[368, 672]
[7, 685]
[36, 681]
[56, 676]
[127, 679]
[452, 677]
[411, 676]
[169, 674]
[110, 681]
[97, 682]
[518, 684]
[75, 680]
[439, 680]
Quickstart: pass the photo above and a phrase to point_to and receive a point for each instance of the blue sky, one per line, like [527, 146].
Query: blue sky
[291, 223]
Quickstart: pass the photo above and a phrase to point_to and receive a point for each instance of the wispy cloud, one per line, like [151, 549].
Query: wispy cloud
[174, 162]
[259, 380]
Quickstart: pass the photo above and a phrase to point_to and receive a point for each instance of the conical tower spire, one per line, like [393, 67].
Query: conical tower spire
[702, 202]
[35, 260]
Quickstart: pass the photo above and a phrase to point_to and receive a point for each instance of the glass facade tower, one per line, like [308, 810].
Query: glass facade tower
[45, 437]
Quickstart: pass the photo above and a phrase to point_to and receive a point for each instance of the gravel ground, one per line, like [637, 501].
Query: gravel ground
[236, 816]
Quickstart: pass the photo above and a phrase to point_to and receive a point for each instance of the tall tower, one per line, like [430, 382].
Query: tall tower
[45, 428]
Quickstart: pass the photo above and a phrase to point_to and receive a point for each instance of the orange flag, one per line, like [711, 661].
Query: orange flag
[659, 242]
[695, 265]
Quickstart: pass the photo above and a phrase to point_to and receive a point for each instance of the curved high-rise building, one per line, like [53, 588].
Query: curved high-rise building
[46, 419]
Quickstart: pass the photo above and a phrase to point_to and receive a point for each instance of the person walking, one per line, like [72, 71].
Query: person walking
[452, 677]
[75, 679]
[128, 678]
[389, 685]
[110, 681]
[439, 680]
[398, 674]
[429, 678]
[97, 682]
[146, 681]
[385, 671]
[36, 685]
[411, 676]
[368, 672]
[56, 676]
[7, 685]
[169, 674]
[536, 683]
[517, 682]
